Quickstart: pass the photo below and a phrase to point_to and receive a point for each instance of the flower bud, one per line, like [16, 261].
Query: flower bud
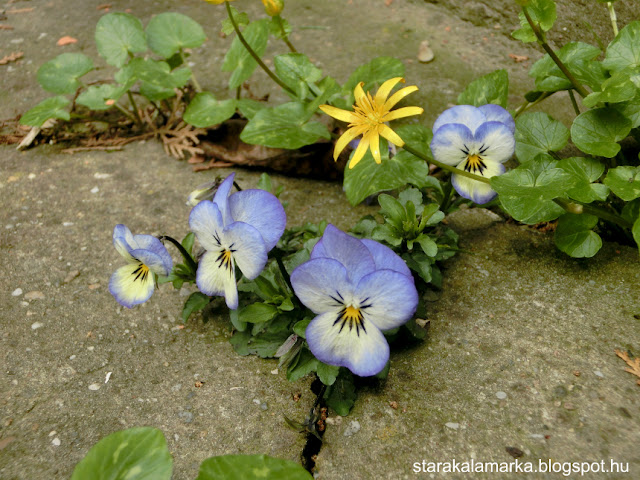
[273, 7]
[206, 191]
[574, 208]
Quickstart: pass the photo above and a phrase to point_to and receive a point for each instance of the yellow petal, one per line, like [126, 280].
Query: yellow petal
[402, 112]
[344, 140]
[344, 115]
[374, 146]
[392, 136]
[399, 95]
[385, 89]
[360, 151]
[358, 93]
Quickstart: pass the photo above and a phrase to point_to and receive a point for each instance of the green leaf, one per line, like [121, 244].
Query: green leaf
[421, 264]
[242, 20]
[392, 210]
[598, 131]
[117, 35]
[101, 97]
[266, 345]
[630, 109]
[303, 365]
[624, 51]
[414, 196]
[257, 313]
[52, 107]
[251, 467]
[238, 60]
[586, 171]
[574, 235]
[491, 88]
[538, 133]
[61, 74]
[168, 33]
[341, 396]
[133, 454]
[428, 246]
[196, 302]
[386, 233]
[284, 126]
[631, 210]
[618, 88]
[327, 373]
[297, 72]
[248, 108]
[188, 241]
[528, 198]
[367, 177]
[373, 74]
[624, 182]
[205, 111]
[300, 327]
[578, 58]
[158, 81]
[542, 12]
[636, 231]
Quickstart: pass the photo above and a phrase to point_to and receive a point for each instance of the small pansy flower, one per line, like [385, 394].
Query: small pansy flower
[357, 289]
[236, 229]
[369, 118]
[146, 258]
[475, 139]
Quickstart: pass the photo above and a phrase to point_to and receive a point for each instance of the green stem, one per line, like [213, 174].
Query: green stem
[285, 37]
[573, 102]
[447, 196]
[253, 54]
[443, 166]
[126, 112]
[527, 105]
[193, 266]
[135, 108]
[614, 19]
[196, 84]
[579, 208]
[579, 88]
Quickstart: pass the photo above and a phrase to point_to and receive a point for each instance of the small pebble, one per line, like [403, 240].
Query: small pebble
[17, 292]
[352, 428]
[101, 176]
[67, 224]
[501, 395]
[186, 416]
[274, 371]
[36, 325]
[95, 190]
[598, 373]
[55, 442]
[31, 176]
[35, 295]
[94, 386]
[451, 425]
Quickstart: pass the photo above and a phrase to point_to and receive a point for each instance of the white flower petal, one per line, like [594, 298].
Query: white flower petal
[155, 246]
[205, 220]
[348, 250]
[216, 276]
[261, 210]
[386, 258]
[247, 247]
[474, 190]
[496, 142]
[451, 143]
[123, 241]
[132, 284]
[466, 115]
[495, 113]
[321, 284]
[221, 198]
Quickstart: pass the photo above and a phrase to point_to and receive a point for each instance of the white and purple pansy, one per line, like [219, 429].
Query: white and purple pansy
[146, 257]
[475, 139]
[237, 229]
[358, 289]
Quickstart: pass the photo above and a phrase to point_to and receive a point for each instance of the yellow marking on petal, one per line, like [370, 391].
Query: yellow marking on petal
[392, 136]
[340, 114]
[344, 140]
[475, 164]
[402, 112]
[352, 317]
[360, 151]
[385, 89]
[399, 95]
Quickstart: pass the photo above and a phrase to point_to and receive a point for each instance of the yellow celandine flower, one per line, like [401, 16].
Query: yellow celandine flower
[273, 7]
[369, 118]
[217, 2]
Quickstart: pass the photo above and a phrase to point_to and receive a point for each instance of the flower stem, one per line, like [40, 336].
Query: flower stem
[125, 112]
[527, 105]
[135, 108]
[193, 266]
[285, 37]
[277, 254]
[579, 88]
[573, 102]
[614, 19]
[443, 166]
[446, 200]
[196, 84]
[579, 208]
[253, 54]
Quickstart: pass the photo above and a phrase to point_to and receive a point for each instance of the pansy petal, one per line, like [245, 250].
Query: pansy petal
[474, 190]
[359, 152]
[123, 241]
[339, 113]
[216, 277]
[399, 95]
[349, 251]
[363, 351]
[385, 258]
[390, 298]
[466, 115]
[385, 89]
[402, 112]
[247, 247]
[152, 260]
[495, 113]
[153, 244]
[205, 220]
[393, 137]
[344, 140]
[222, 196]
[262, 210]
[321, 284]
[131, 285]
[499, 142]
[451, 143]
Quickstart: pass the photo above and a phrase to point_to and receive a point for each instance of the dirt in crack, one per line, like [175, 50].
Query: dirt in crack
[315, 427]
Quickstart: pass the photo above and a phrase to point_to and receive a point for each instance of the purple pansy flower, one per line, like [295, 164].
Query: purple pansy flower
[236, 229]
[476, 139]
[357, 289]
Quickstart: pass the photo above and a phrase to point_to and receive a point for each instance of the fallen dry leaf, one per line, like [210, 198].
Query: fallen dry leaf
[12, 57]
[387, 2]
[66, 40]
[6, 27]
[20, 10]
[104, 6]
[518, 58]
[633, 364]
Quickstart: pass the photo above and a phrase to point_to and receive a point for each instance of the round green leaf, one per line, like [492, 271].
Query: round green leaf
[636, 231]
[205, 111]
[96, 96]
[297, 72]
[168, 33]
[238, 60]
[250, 467]
[491, 88]
[624, 182]
[598, 131]
[257, 313]
[538, 133]
[61, 74]
[624, 51]
[586, 171]
[374, 73]
[50, 108]
[133, 454]
[574, 235]
[117, 35]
